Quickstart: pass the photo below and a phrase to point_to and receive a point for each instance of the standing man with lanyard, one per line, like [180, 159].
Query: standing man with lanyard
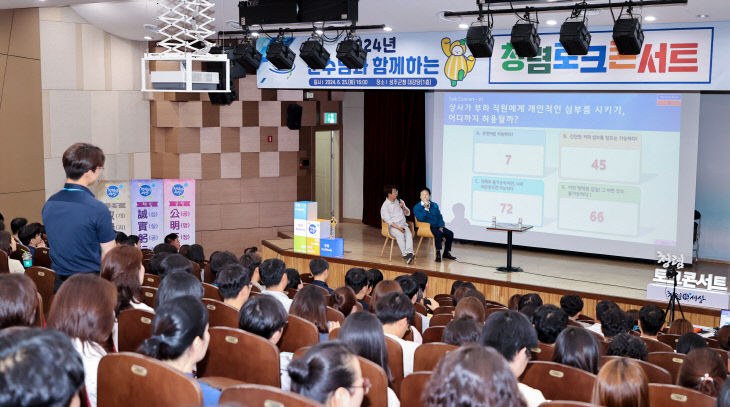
[79, 227]
[427, 211]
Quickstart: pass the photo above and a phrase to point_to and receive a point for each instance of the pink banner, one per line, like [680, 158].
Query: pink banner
[179, 199]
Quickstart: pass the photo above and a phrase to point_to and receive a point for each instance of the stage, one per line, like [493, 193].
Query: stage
[550, 274]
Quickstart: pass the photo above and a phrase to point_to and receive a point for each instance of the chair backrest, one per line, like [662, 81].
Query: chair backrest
[378, 394]
[291, 292]
[559, 382]
[129, 379]
[444, 299]
[196, 270]
[306, 278]
[220, 314]
[418, 322]
[586, 318]
[713, 343]
[420, 308]
[441, 319]
[669, 339]
[424, 228]
[252, 395]
[4, 267]
[444, 309]
[18, 253]
[43, 278]
[668, 360]
[298, 333]
[428, 355]
[335, 315]
[135, 325]
[395, 362]
[490, 311]
[412, 389]
[41, 257]
[211, 291]
[543, 352]
[654, 373]
[667, 395]
[722, 353]
[240, 355]
[566, 403]
[433, 334]
[151, 280]
[207, 274]
[385, 229]
[575, 323]
[653, 345]
[334, 334]
[149, 295]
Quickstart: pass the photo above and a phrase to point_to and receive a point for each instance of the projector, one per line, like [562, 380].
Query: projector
[175, 80]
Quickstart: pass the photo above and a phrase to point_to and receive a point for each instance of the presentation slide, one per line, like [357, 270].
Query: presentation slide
[596, 168]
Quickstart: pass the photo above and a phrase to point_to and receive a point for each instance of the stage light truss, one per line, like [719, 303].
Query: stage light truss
[186, 26]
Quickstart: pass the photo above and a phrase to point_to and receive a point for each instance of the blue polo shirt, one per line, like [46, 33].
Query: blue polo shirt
[76, 224]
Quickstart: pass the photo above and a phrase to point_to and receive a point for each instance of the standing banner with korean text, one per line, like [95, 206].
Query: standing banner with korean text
[115, 195]
[147, 211]
[672, 58]
[179, 205]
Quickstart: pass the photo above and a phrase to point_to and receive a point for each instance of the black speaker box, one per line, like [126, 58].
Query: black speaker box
[294, 116]
[575, 38]
[628, 36]
[525, 40]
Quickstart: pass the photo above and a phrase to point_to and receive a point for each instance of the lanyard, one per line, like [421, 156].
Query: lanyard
[73, 189]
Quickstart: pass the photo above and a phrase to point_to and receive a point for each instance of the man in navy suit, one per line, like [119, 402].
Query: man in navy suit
[427, 211]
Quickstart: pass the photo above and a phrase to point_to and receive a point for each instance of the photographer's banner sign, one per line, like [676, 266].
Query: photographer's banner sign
[147, 211]
[179, 209]
[115, 195]
[679, 58]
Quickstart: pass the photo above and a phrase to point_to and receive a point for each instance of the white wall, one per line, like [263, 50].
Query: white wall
[90, 84]
[353, 138]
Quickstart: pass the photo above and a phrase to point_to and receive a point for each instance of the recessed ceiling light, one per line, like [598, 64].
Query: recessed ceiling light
[649, 18]
[254, 34]
[319, 32]
[147, 37]
[703, 15]
[463, 26]
[387, 29]
[551, 22]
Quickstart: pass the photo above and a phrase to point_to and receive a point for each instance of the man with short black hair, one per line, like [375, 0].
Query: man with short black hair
[273, 277]
[511, 334]
[602, 307]
[549, 321]
[174, 262]
[173, 239]
[572, 304]
[394, 310]
[394, 212]
[121, 238]
[651, 321]
[320, 269]
[31, 236]
[614, 321]
[79, 227]
[428, 212]
[15, 226]
[627, 345]
[234, 284]
[218, 260]
[164, 248]
[412, 290]
[358, 279]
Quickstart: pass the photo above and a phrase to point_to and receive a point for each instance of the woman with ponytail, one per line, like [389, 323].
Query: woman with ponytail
[180, 338]
[329, 374]
[703, 370]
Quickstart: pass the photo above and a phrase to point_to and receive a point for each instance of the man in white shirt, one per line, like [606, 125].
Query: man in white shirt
[512, 335]
[394, 212]
[394, 310]
[273, 277]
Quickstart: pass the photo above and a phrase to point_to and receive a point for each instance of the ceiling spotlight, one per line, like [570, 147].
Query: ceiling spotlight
[247, 55]
[463, 26]
[703, 16]
[254, 34]
[574, 35]
[525, 40]
[351, 53]
[551, 22]
[627, 34]
[650, 18]
[147, 37]
[279, 53]
[319, 32]
[313, 53]
[386, 28]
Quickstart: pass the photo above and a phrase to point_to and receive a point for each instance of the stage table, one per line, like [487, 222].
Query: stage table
[509, 228]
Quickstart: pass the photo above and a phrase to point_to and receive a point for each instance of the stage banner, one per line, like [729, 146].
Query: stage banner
[304, 211]
[147, 211]
[179, 201]
[671, 58]
[115, 195]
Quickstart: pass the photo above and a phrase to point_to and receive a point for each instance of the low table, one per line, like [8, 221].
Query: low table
[509, 228]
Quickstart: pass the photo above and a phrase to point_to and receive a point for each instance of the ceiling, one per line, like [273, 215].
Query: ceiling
[127, 18]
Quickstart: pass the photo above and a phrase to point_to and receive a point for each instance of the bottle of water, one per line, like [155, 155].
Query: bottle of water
[494, 221]
[519, 223]
[27, 259]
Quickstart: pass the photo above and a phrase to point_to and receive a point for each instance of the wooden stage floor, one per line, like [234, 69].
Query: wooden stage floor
[551, 271]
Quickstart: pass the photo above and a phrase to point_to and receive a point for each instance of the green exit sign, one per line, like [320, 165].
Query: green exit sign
[330, 118]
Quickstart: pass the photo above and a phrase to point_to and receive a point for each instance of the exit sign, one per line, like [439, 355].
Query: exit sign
[330, 118]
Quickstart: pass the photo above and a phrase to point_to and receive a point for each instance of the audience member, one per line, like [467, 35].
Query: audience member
[173, 239]
[180, 339]
[461, 331]
[410, 288]
[510, 333]
[133, 240]
[471, 308]
[689, 341]
[578, 348]
[175, 262]
[362, 332]
[218, 260]
[473, 376]
[633, 316]
[393, 212]
[154, 265]
[723, 398]
[83, 309]
[374, 277]
[428, 211]
[273, 277]
[621, 383]
[613, 322]
[514, 302]
[463, 289]
[8, 245]
[529, 311]
[164, 248]
[703, 370]
[651, 321]
[474, 293]
[723, 336]
[601, 308]
[18, 300]
[384, 287]
[310, 303]
[252, 260]
[359, 281]
[266, 317]
[123, 267]
[40, 367]
[320, 269]
[627, 345]
[294, 281]
[15, 226]
[234, 285]
[178, 284]
[329, 373]
[549, 321]
[343, 299]
[422, 280]
[184, 249]
[394, 310]
[681, 327]
[455, 286]
[529, 299]
[196, 254]
[572, 304]
[121, 238]
[31, 235]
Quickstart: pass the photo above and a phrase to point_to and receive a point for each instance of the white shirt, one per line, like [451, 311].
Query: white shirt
[392, 213]
[282, 297]
[425, 322]
[91, 353]
[596, 328]
[140, 305]
[409, 351]
[392, 399]
[15, 266]
[284, 360]
[533, 397]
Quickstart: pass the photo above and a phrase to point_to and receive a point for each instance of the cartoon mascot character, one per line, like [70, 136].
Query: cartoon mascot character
[457, 65]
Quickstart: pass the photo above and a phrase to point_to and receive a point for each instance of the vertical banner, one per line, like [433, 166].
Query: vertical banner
[147, 211]
[115, 195]
[179, 199]
[304, 211]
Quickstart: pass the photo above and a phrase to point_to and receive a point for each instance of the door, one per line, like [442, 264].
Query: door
[327, 173]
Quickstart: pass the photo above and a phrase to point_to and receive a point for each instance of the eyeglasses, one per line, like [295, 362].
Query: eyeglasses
[366, 385]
